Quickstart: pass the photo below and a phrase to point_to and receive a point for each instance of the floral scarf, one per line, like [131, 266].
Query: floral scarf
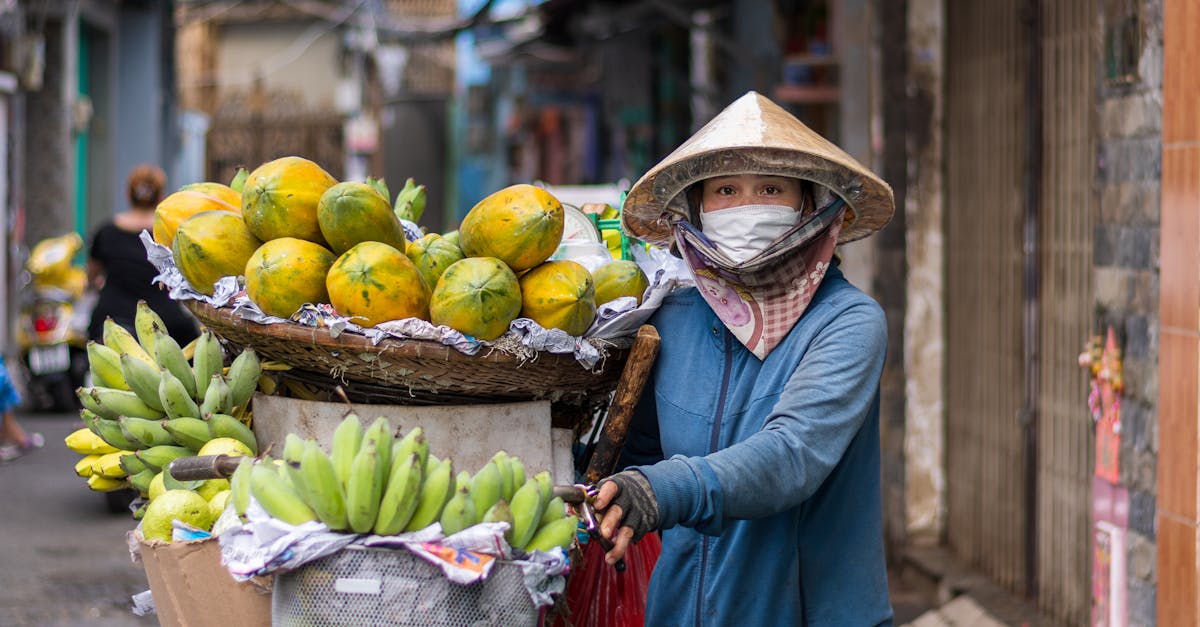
[760, 299]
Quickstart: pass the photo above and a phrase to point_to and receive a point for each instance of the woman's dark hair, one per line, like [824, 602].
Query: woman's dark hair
[145, 186]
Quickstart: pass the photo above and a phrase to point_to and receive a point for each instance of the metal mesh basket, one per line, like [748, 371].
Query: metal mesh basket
[368, 586]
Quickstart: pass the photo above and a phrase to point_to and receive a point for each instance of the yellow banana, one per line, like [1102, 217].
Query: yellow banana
[189, 349]
[364, 489]
[320, 487]
[108, 430]
[239, 486]
[504, 466]
[105, 365]
[243, 376]
[109, 465]
[121, 340]
[144, 433]
[267, 384]
[486, 487]
[207, 362]
[413, 442]
[347, 439]
[158, 457]
[459, 512]
[170, 356]
[143, 380]
[555, 509]
[436, 489]
[298, 390]
[110, 403]
[84, 442]
[400, 497]
[559, 533]
[175, 398]
[145, 321]
[226, 426]
[190, 432]
[278, 497]
[83, 467]
[130, 463]
[527, 512]
[216, 397]
[105, 484]
[275, 366]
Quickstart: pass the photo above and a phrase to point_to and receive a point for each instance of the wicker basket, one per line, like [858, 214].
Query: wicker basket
[417, 369]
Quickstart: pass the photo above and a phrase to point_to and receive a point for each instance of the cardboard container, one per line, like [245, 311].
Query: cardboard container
[192, 589]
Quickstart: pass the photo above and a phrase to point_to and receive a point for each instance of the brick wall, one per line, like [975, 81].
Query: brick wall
[1126, 288]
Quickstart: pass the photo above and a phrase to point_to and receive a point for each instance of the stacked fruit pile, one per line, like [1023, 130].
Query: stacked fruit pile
[149, 406]
[299, 236]
[374, 482]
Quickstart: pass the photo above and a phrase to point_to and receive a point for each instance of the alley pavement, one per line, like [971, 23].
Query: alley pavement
[64, 554]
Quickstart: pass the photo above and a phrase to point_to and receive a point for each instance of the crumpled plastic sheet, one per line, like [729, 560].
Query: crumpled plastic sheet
[615, 324]
[265, 545]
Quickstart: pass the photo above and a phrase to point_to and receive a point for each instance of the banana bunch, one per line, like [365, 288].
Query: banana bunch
[410, 202]
[374, 482]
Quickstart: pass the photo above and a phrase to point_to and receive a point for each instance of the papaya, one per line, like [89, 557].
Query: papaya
[211, 245]
[349, 213]
[280, 199]
[619, 278]
[374, 282]
[432, 254]
[218, 191]
[287, 272]
[180, 206]
[477, 296]
[521, 225]
[559, 295]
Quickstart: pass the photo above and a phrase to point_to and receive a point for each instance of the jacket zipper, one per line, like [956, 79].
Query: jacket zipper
[713, 440]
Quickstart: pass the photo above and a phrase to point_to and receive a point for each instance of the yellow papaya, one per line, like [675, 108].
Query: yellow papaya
[211, 245]
[432, 254]
[478, 296]
[280, 199]
[287, 272]
[350, 212]
[521, 225]
[219, 191]
[559, 295]
[373, 282]
[180, 206]
[619, 278]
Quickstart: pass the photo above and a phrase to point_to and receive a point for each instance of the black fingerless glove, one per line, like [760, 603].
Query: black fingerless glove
[637, 502]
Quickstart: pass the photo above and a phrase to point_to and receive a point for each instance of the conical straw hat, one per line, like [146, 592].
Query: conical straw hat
[754, 136]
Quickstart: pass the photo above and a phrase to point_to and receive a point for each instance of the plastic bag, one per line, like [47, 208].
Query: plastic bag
[599, 596]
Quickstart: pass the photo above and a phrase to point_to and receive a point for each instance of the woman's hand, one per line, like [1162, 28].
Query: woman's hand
[629, 511]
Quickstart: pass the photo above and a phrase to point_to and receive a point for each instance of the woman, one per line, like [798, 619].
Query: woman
[755, 448]
[118, 268]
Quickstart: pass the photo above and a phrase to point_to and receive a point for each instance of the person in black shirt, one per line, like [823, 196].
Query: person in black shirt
[118, 268]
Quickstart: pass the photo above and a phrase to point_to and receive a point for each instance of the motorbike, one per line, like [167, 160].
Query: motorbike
[52, 319]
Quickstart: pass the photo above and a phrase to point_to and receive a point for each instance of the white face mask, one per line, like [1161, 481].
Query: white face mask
[743, 232]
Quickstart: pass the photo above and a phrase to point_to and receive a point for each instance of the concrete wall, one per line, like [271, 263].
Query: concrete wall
[288, 56]
[141, 97]
[49, 152]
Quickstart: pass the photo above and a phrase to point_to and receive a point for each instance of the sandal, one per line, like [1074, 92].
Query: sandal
[9, 452]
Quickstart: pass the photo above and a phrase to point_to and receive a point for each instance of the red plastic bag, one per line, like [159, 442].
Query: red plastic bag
[599, 596]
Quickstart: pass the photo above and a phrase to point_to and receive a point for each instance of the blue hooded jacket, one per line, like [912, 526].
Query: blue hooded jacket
[766, 473]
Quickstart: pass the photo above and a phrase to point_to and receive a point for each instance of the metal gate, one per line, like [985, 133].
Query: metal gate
[1018, 497]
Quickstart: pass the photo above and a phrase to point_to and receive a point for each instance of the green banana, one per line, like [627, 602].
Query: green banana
[555, 509]
[145, 321]
[320, 487]
[410, 202]
[504, 465]
[107, 430]
[105, 365]
[364, 488]
[207, 362]
[293, 450]
[158, 457]
[518, 474]
[226, 426]
[379, 185]
[381, 432]
[170, 356]
[239, 180]
[121, 340]
[143, 433]
[486, 487]
[437, 488]
[527, 509]
[559, 533]
[110, 403]
[413, 442]
[216, 397]
[239, 486]
[347, 439]
[190, 432]
[141, 481]
[278, 497]
[459, 512]
[500, 512]
[131, 464]
[546, 483]
[400, 498]
[143, 380]
[175, 398]
[243, 377]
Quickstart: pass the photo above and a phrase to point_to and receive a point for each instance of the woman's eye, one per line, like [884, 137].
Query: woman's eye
[725, 190]
[770, 190]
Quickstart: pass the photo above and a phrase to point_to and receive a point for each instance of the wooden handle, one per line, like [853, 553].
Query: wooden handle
[629, 390]
[204, 467]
